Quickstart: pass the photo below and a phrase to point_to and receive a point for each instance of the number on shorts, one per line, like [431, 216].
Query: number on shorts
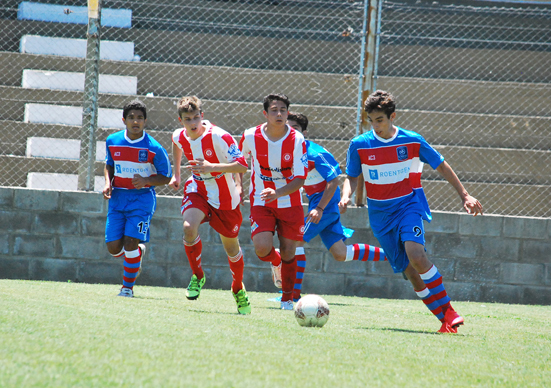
[142, 227]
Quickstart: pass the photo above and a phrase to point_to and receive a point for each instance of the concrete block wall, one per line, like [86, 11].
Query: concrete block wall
[59, 236]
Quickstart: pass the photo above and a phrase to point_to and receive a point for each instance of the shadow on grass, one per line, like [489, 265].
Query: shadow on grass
[411, 331]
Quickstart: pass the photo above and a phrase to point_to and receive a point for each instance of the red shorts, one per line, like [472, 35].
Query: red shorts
[288, 222]
[225, 222]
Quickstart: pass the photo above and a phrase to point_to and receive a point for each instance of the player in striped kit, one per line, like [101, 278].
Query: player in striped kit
[134, 164]
[391, 160]
[323, 219]
[278, 171]
[210, 194]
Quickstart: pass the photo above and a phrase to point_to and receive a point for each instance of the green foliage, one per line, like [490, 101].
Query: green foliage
[69, 334]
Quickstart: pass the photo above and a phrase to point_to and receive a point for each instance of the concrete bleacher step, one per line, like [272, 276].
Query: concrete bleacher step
[62, 80]
[326, 122]
[70, 115]
[47, 147]
[59, 182]
[322, 56]
[75, 48]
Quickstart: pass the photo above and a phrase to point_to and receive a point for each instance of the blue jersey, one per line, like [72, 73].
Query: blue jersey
[322, 168]
[392, 171]
[143, 156]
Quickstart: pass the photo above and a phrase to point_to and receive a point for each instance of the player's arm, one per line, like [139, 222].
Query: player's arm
[177, 159]
[108, 173]
[268, 195]
[206, 167]
[140, 182]
[349, 187]
[315, 214]
[470, 203]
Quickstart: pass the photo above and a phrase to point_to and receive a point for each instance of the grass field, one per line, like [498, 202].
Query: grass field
[81, 335]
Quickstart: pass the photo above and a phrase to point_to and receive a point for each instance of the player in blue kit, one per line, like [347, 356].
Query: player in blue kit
[391, 160]
[134, 164]
[323, 219]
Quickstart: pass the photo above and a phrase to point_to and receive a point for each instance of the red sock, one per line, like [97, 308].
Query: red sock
[236, 268]
[300, 259]
[288, 273]
[193, 252]
[272, 257]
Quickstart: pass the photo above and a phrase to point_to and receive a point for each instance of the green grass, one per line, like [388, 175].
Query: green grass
[81, 335]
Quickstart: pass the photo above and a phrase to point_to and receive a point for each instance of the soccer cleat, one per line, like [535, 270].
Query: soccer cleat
[453, 318]
[126, 292]
[242, 300]
[194, 289]
[446, 328]
[287, 305]
[142, 249]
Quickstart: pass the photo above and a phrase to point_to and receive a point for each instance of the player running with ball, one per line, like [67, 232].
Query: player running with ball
[391, 161]
[210, 194]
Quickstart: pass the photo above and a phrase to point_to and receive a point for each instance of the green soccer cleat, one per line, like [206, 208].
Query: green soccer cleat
[194, 289]
[242, 300]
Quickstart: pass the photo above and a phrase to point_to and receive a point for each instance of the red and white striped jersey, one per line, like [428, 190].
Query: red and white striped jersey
[215, 146]
[274, 164]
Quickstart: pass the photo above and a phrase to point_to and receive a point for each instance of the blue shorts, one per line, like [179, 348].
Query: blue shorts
[329, 229]
[130, 215]
[409, 227]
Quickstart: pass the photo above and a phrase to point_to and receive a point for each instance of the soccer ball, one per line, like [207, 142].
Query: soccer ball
[312, 310]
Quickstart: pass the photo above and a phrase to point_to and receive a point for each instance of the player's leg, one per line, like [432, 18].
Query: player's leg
[290, 230]
[263, 224]
[434, 293]
[236, 262]
[288, 271]
[300, 258]
[193, 246]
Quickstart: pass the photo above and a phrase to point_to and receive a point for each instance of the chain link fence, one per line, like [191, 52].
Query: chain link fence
[474, 81]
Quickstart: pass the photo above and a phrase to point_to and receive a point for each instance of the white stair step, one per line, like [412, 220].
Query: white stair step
[61, 80]
[110, 17]
[70, 115]
[59, 182]
[69, 47]
[49, 147]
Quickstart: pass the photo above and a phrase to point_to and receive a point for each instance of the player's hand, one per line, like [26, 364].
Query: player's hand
[139, 181]
[343, 205]
[200, 166]
[174, 182]
[472, 205]
[268, 195]
[107, 190]
[314, 216]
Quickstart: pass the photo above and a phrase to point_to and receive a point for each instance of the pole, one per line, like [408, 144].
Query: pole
[366, 84]
[87, 159]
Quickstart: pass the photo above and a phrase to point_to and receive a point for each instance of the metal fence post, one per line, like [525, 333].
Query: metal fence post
[90, 104]
[367, 73]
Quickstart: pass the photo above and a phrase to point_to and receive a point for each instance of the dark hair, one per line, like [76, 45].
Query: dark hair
[301, 119]
[380, 100]
[275, 97]
[135, 104]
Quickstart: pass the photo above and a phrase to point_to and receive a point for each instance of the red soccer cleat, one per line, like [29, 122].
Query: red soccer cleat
[453, 319]
[446, 328]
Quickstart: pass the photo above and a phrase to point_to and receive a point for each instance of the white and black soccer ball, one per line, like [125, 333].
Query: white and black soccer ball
[312, 311]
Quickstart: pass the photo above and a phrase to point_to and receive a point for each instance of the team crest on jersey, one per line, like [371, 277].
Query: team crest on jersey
[117, 153]
[402, 153]
[208, 152]
[371, 157]
[142, 156]
[287, 157]
[373, 175]
[235, 152]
